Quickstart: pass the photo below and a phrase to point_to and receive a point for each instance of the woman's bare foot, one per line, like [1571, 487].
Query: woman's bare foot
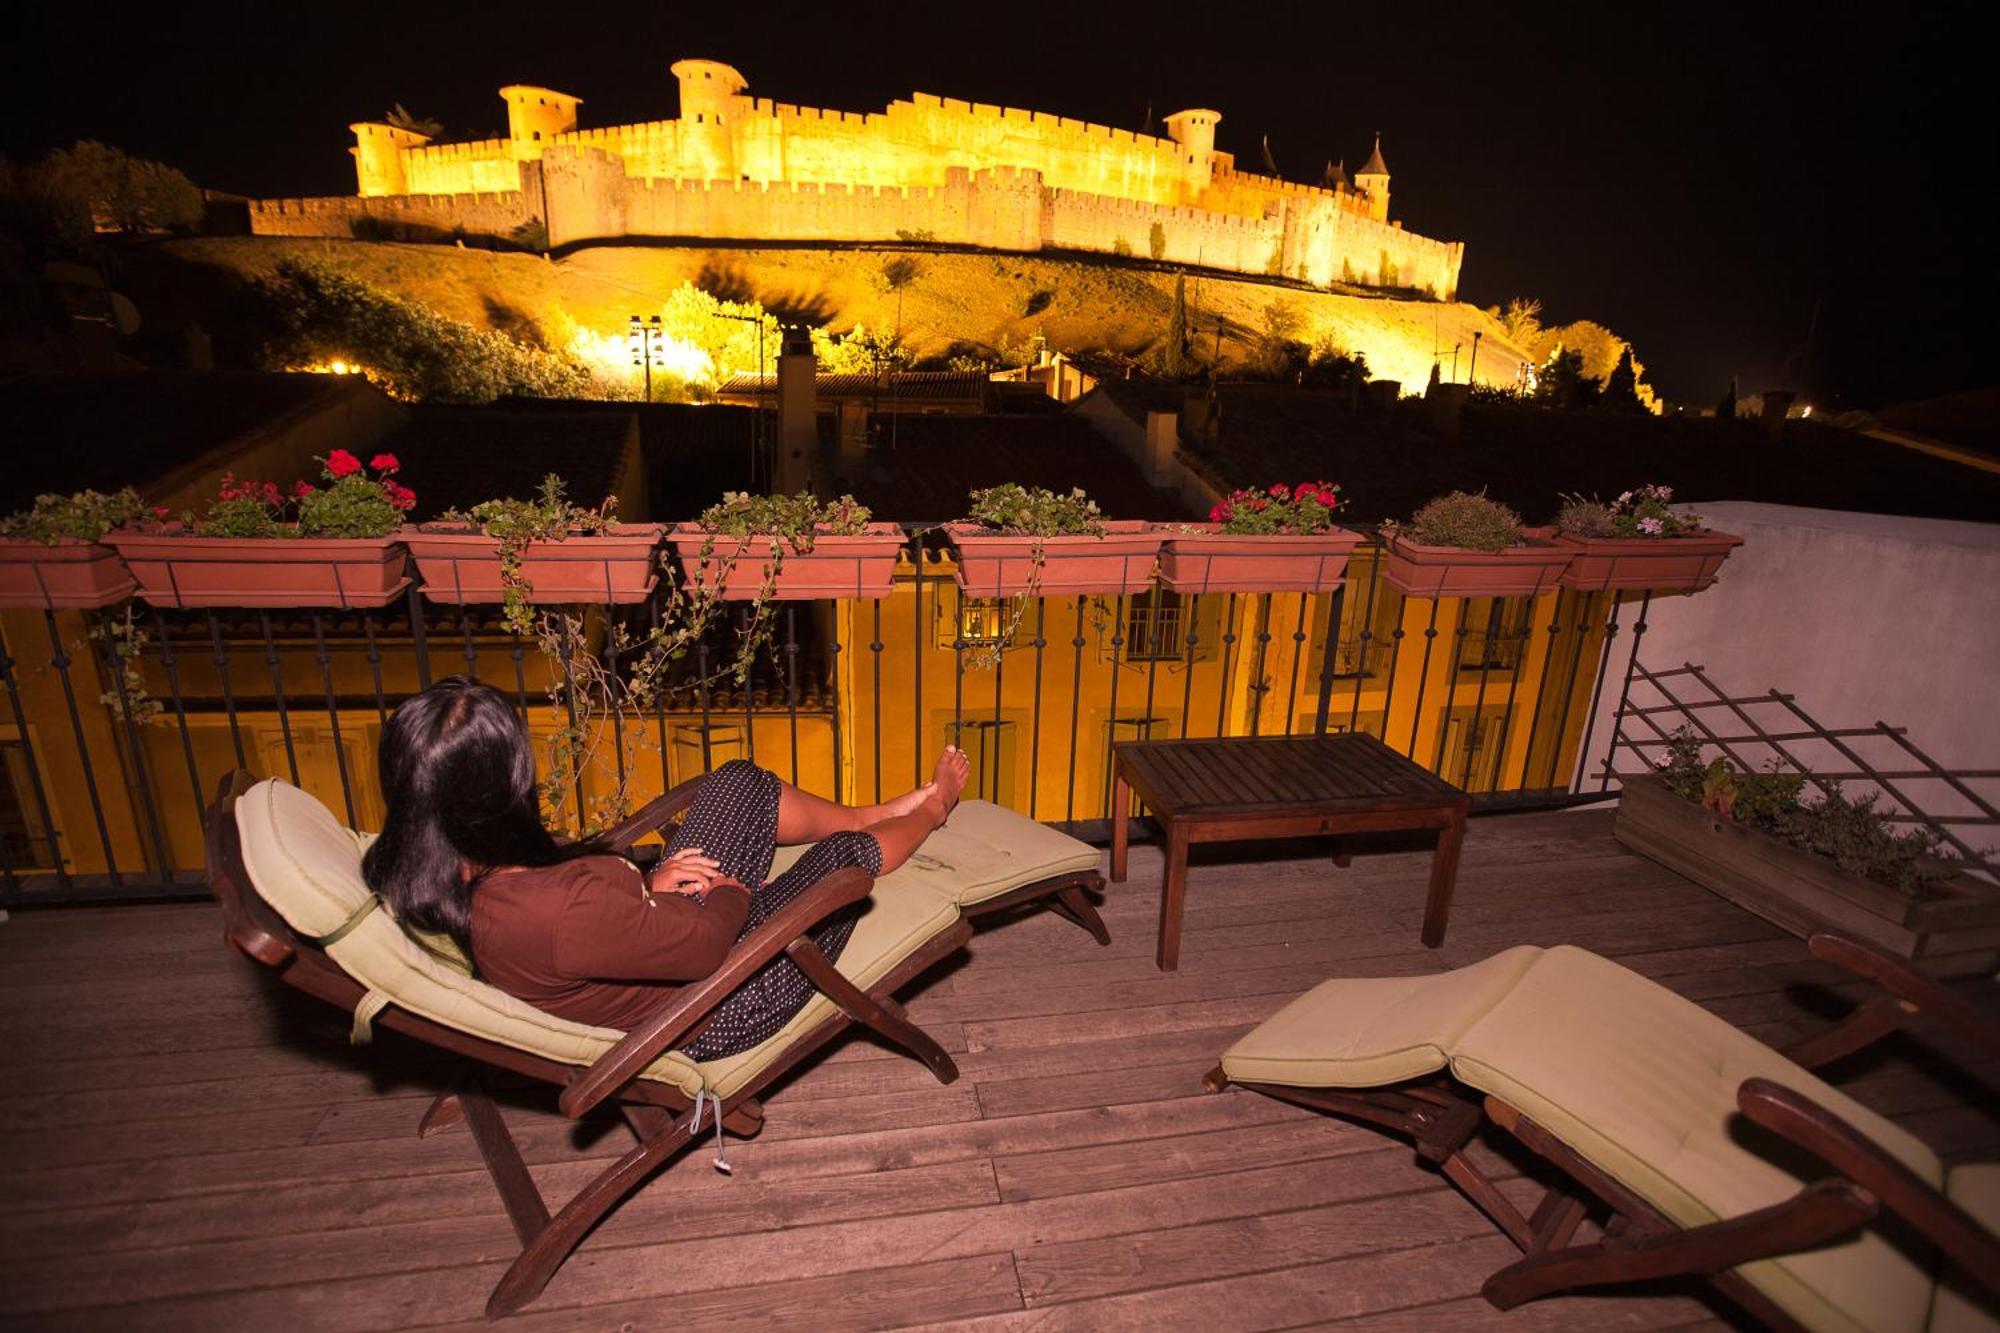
[953, 768]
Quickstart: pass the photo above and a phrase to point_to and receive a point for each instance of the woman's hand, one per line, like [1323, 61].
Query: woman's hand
[689, 870]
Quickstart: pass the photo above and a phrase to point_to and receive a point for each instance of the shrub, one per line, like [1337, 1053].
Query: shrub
[1035, 512]
[1156, 242]
[531, 235]
[795, 518]
[1466, 520]
[1645, 512]
[353, 503]
[85, 516]
[1850, 832]
[1583, 516]
[1122, 247]
[549, 517]
[1306, 508]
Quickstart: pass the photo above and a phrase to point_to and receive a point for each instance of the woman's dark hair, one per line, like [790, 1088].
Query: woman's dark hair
[458, 771]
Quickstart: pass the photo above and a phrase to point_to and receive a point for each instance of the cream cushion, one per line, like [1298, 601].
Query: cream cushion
[1958, 1306]
[983, 851]
[1637, 1080]
[307, 865]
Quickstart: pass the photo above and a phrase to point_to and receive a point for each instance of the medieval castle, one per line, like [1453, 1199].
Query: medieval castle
[931, 168]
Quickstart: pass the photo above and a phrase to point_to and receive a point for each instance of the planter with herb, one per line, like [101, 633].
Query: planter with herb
[335, 544]
[1833, 862]
[53, 556]
[1026, 541]
[1465, 545]
[1639, 541]
[787, 548]
[1282, 539]
[544, 551]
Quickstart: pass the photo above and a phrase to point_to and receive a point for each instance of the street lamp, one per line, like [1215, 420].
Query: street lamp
[757, 431]
[1477, 334]
[647, 339]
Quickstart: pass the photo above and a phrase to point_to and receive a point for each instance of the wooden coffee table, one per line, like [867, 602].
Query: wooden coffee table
[1229, 789]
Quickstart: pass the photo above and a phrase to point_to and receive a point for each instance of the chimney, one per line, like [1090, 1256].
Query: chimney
[798, 413]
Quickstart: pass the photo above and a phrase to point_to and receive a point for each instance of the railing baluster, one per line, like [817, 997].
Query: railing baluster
[875, 660]
[1260, 661]
[832, 693]
[375, 669]
[170, 663]
[468, 649]
[220, 656]
[1187, 661]
[56, 860]
[1513, 690]
[1575, 666]
[60, 660]
[616, 693]
[1395, 663]
[325, 661]
[1450, 690]
[1228, 649]
[1423, 681]
[1075, 710]
[992, 747]
[141, 770]
[1624, 693]
[1486, 651]
[1111, 713]
[919, 651]
[1335, 607]
[275, 665]
[792, 691]
[419, 637]
[747, 687]
[1035, 711]
[702, 689]
[569, 705]
[1367, 642]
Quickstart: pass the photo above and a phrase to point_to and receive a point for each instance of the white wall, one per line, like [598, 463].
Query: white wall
[1863, 617]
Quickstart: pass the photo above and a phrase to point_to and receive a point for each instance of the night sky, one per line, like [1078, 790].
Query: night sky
[1784, 196]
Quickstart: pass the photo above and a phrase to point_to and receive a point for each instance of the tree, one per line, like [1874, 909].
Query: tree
[1156, 241]
[1521, 321]
[1174, 356]
[311, 313]
[403, 120]
[1561, 383]
[1332, 367]
[112, 189]
[1726, 409]
[1621, 387]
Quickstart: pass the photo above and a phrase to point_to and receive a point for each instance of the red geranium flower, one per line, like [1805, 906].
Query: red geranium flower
[1219, 514]
[401, 496]
[160, 511]
[340, 463]
[1278, 490]
[300, 490]
[384, 463]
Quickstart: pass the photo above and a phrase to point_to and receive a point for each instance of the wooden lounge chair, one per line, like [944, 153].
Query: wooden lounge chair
[287, 874]
[1706, 1152]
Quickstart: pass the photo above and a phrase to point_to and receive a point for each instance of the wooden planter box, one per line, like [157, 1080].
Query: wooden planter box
[461, 566]
[1801, 891]
[1216, 561]
[1528, 570]
[180, 569]
[861, 565]
[1659, 564]
[1002, 564]
[71, 575]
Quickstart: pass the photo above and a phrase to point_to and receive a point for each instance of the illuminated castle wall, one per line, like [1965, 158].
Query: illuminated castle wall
[749, 168]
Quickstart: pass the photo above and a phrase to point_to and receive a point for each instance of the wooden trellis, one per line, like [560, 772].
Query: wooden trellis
[1770, 731]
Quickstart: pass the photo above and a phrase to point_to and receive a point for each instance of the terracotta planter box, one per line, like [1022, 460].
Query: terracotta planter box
[185, 570]
[71, 575]
[999, 564]
[460, 566]
[1660, 564]
[1217, 561]
[861, 565]
[1798, 890]
[1528, 570]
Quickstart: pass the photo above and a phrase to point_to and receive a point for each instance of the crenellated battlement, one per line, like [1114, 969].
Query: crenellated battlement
[976, 173]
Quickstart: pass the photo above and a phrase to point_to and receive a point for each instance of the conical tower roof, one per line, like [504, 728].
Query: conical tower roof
[1336, 175]
[1374, 166]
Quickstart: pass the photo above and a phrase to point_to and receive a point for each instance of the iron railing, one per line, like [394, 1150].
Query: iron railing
[120, 723]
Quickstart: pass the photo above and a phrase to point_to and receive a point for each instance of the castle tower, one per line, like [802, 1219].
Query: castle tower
[1194, 131]
[709, 97]
[1373, 181]
[378, 156]
[536, 115]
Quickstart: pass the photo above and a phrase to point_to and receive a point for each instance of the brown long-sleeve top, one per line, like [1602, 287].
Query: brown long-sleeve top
[583, 940]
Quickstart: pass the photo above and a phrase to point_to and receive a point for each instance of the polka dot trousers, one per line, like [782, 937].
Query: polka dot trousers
[734, 819]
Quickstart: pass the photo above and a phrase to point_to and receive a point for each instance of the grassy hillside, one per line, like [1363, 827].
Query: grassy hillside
[983, 301]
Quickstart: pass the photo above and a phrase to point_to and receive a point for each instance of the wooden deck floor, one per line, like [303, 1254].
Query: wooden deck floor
[185, 1146]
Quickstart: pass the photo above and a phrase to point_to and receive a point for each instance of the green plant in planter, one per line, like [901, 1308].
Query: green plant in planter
[352, 503]
[1850, 832]
[85, 516]
[1584, 516]
[1646, 512]
[550, 517]
[1305, 509]
[1035, 511]
[1463, 519]
[791, 523]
